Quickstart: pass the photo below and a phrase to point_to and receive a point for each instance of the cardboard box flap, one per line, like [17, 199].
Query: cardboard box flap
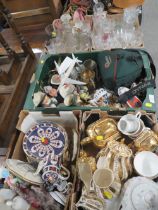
[28, 119]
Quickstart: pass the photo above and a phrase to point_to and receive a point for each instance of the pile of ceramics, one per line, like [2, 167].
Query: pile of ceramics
[118, 163]
[43, 182]
[97, 32]
[77, 83]
[117, 166]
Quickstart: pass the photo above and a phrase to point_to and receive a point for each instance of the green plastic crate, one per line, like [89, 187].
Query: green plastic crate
[45, 64]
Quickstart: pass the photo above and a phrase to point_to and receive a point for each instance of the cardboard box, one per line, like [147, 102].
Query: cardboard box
[69, 120]
[88, 118]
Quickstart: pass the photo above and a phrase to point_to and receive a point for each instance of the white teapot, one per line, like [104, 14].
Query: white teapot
[139, 193]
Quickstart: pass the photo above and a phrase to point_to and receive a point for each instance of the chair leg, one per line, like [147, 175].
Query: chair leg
[24, 44]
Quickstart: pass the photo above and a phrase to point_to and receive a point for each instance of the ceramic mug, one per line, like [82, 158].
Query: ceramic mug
[130, 124]
[63, 186]
[51, 174]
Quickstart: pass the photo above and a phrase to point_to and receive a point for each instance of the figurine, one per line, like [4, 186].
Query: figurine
[101, 97]
[38, 97]
[49, 102]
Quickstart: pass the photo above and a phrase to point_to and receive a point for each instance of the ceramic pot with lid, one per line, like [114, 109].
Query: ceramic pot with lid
[139, 193]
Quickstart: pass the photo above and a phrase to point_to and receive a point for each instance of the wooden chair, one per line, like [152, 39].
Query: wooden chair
[15, 73]
[31, 17]
[32, 13]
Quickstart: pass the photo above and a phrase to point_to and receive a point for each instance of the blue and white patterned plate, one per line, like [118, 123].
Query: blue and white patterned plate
[43, 139]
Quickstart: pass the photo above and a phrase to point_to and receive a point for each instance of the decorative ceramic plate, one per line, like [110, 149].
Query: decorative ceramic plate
[44, 139]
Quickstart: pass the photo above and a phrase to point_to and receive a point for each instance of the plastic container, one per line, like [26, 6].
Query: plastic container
[47, 61]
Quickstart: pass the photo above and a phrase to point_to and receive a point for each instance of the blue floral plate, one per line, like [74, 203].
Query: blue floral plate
[44, 139]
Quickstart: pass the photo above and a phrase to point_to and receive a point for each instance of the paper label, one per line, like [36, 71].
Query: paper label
[149, 105]
[42, 61]
[99, 138]
[152, 99]
[108, 195]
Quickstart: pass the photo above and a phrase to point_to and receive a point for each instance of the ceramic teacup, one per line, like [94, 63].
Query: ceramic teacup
[103, 178]
[130, 124]
[105, 183]
[139, 132]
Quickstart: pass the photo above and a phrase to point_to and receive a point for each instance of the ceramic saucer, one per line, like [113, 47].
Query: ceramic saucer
[146, 164]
